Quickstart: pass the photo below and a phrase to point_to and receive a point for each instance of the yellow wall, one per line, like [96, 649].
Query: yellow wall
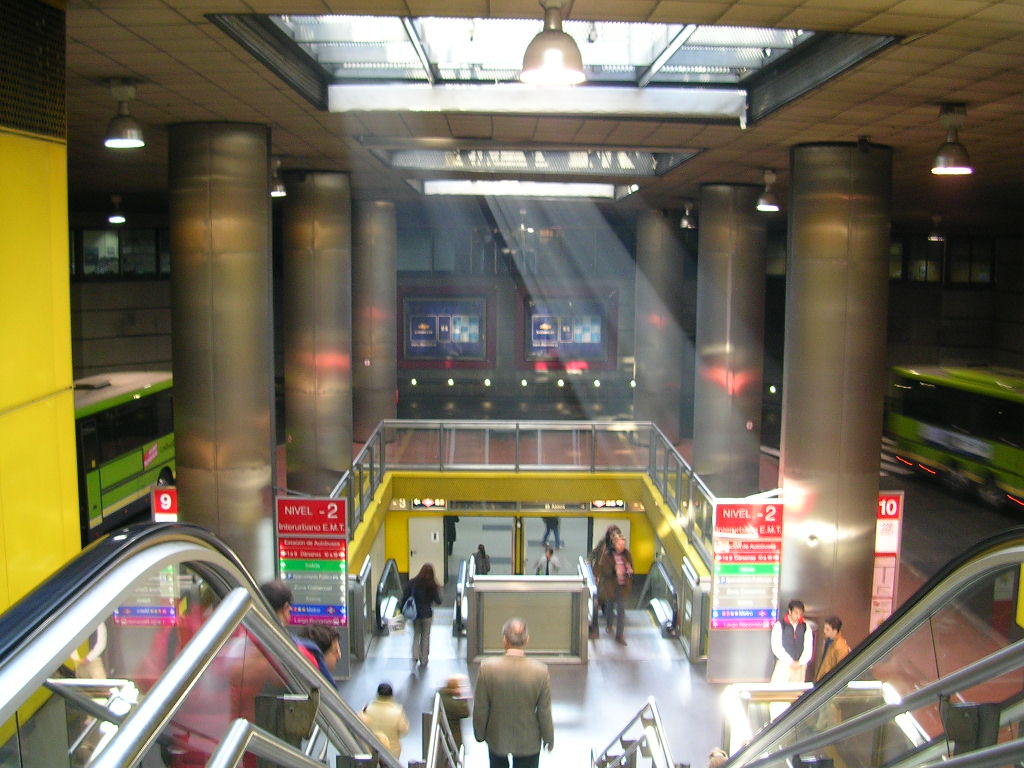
[38, 491]
[646, 528]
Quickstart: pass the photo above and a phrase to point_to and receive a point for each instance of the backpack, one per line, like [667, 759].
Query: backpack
[409, 608]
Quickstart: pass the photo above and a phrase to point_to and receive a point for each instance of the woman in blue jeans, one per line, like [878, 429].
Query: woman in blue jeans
[426, 593]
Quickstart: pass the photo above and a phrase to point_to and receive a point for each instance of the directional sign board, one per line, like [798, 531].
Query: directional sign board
[747, 547]
[312, 550]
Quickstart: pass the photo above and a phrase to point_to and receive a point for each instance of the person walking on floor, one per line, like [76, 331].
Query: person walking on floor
[512, 703]
[481, 560]
[426, 593]
[386, 718]
[614, 574]
[547, 564]
[456, 705]
[551, 525]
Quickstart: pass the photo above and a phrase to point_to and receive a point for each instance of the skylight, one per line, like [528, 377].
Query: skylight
[461, 50]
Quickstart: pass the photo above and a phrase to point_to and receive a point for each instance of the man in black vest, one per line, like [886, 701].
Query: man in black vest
[792, 645]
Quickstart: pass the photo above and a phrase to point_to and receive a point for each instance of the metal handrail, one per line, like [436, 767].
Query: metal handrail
[658, 567]
[992, 666]
[372, 458]
[999, 552]
[652, 741]
[440, 742]
[104, 577]
[458, 620]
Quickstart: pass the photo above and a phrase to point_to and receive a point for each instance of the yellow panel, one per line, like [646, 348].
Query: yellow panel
[38, 489]
[35, 304]
[38, 494]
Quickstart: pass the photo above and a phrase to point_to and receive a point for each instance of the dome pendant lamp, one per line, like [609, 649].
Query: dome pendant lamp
[123, 131]
[552, 57]
[952, 158]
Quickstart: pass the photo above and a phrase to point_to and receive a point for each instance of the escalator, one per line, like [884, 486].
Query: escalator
[154, 648]
[940, 682]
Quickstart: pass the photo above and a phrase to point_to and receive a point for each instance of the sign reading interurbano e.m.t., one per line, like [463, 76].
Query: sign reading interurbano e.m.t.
[312, 550]
[747, 549]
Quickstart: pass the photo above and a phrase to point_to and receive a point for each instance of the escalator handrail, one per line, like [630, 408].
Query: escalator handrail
[994, 665]
[997, 551]
[31, 613]
[70, 603]
[390, 569]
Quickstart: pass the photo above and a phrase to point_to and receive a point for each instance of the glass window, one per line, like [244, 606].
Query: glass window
[138, 251]
[896, 260]
[925, 262]
[164, 251]
[100, 252]
[959, 260]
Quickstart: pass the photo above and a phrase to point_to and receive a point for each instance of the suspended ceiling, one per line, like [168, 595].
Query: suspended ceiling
[190, 68]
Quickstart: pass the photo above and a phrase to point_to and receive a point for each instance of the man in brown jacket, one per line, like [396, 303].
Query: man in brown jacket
[836, 648]
[512, 703]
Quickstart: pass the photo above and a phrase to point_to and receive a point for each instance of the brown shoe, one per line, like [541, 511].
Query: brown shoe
[620, 640]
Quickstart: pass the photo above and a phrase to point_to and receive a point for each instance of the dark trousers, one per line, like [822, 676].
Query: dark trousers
[518, 761]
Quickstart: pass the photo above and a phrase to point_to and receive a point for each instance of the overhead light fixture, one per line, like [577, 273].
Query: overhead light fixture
[952, 158]
[124, 131]
[689, 221]
[116, 215]
[277, 188]
[767, 200]
[515, 188]
[552, 57]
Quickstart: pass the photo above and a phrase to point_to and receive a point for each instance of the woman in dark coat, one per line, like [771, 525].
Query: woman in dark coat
[614, 574]
[426, 593]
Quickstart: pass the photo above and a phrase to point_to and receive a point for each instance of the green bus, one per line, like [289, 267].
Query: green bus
[963, 425]
[124, 435]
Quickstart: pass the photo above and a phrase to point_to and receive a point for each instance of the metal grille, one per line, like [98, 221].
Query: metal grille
[32, 68]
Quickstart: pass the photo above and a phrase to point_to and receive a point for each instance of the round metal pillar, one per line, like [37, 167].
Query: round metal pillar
[221, 312]
[317, 305]
[659, 342]
[374, 317]
[730, 340]
[834, 376]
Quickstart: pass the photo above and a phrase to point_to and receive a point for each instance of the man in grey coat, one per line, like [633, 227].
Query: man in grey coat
[512, 703]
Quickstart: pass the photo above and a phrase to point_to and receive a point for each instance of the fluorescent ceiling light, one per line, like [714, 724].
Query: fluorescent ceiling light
[726, 104]
[512, 188]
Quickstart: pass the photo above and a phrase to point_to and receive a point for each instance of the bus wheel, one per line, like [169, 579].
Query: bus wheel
[992, 494]
[165, 477]
[956, 481]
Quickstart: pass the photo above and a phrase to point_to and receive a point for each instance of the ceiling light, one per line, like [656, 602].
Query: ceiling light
[277, 188]
[116, 215]
[514, 188]
[689, 221]
[767, 201]
[124, 131]
[552, 57]
[952, 158]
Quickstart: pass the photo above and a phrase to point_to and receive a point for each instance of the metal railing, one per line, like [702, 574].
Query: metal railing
[961, 708]
[643, 736]
[236, 641]
[518, 446]
[442, 750]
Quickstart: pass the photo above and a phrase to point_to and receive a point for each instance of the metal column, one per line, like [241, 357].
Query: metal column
[374, 317]
[730, 340]
[659, 344]
[834, 375]
[221, 312]
[317, 306]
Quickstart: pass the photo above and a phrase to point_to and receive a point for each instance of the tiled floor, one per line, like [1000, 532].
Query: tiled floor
[590, 703]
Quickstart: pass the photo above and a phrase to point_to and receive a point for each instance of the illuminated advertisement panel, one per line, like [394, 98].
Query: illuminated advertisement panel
[444, 328]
